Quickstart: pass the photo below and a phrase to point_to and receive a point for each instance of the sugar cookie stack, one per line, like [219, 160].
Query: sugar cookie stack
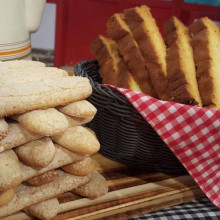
[44, 149]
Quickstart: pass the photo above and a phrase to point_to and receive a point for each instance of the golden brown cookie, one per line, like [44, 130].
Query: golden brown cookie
[80, 168]
[10, 172]
[43, 178]
[6, 197]
[47, 209]
[78, 139]
[81, 108]
[45, 122]
[96, 187]
[38, 153]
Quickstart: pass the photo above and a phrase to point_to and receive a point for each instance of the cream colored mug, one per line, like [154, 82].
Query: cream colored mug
[18, 18]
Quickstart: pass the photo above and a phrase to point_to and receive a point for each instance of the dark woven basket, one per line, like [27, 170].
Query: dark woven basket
[123, 133]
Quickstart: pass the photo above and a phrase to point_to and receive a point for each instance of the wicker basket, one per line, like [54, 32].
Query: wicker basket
[123, 133]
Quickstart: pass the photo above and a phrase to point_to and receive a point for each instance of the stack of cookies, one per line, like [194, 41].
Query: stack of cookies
[44, 149]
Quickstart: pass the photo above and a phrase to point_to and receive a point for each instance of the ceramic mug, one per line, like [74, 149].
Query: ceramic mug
[18, 18]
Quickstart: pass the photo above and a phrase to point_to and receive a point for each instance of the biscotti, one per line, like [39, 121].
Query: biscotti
[119, 31]
[146, 32]
[23, 97]
[181, 69]
[206, 45]
[102, 48]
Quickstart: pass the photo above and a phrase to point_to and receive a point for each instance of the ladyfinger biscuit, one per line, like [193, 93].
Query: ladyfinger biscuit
[80, 168]
[47, 209]
[43, 178]
[62, 158]
[4, 128]
[96, 187]
[6, 197]
[38, 153]
[78, 139]
[47, 122]
[30, 74]
[10, 172]
[26, 196]
[22, 97]
[76, 121]
[81, 108]
[21, 64]
[16, 136]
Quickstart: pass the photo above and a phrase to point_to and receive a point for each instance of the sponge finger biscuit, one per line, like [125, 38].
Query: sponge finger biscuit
[27, 96]
[4, 128]
[16, 136]
[81, 108]
[6, 196]
[45, 122]
[43, 178]
[96, 187]
[80, 168]
[78, 139]
[10, 172]
[38, 153]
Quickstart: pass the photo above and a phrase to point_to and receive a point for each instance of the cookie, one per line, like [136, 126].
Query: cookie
[38, 153]
[78, 139]
[80, 168]
[43, 178]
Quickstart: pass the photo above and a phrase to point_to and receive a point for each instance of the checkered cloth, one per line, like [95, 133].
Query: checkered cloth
[192, 133]
[200, 209]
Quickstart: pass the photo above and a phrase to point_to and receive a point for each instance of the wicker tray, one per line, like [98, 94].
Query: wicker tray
[123, 133]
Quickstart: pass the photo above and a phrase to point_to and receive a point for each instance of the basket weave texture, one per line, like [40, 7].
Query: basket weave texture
[123, 133]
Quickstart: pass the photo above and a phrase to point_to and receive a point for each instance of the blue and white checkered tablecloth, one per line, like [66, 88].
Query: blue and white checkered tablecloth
[201, 209]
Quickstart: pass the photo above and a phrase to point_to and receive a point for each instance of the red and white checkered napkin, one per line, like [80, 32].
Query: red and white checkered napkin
[192, 133]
